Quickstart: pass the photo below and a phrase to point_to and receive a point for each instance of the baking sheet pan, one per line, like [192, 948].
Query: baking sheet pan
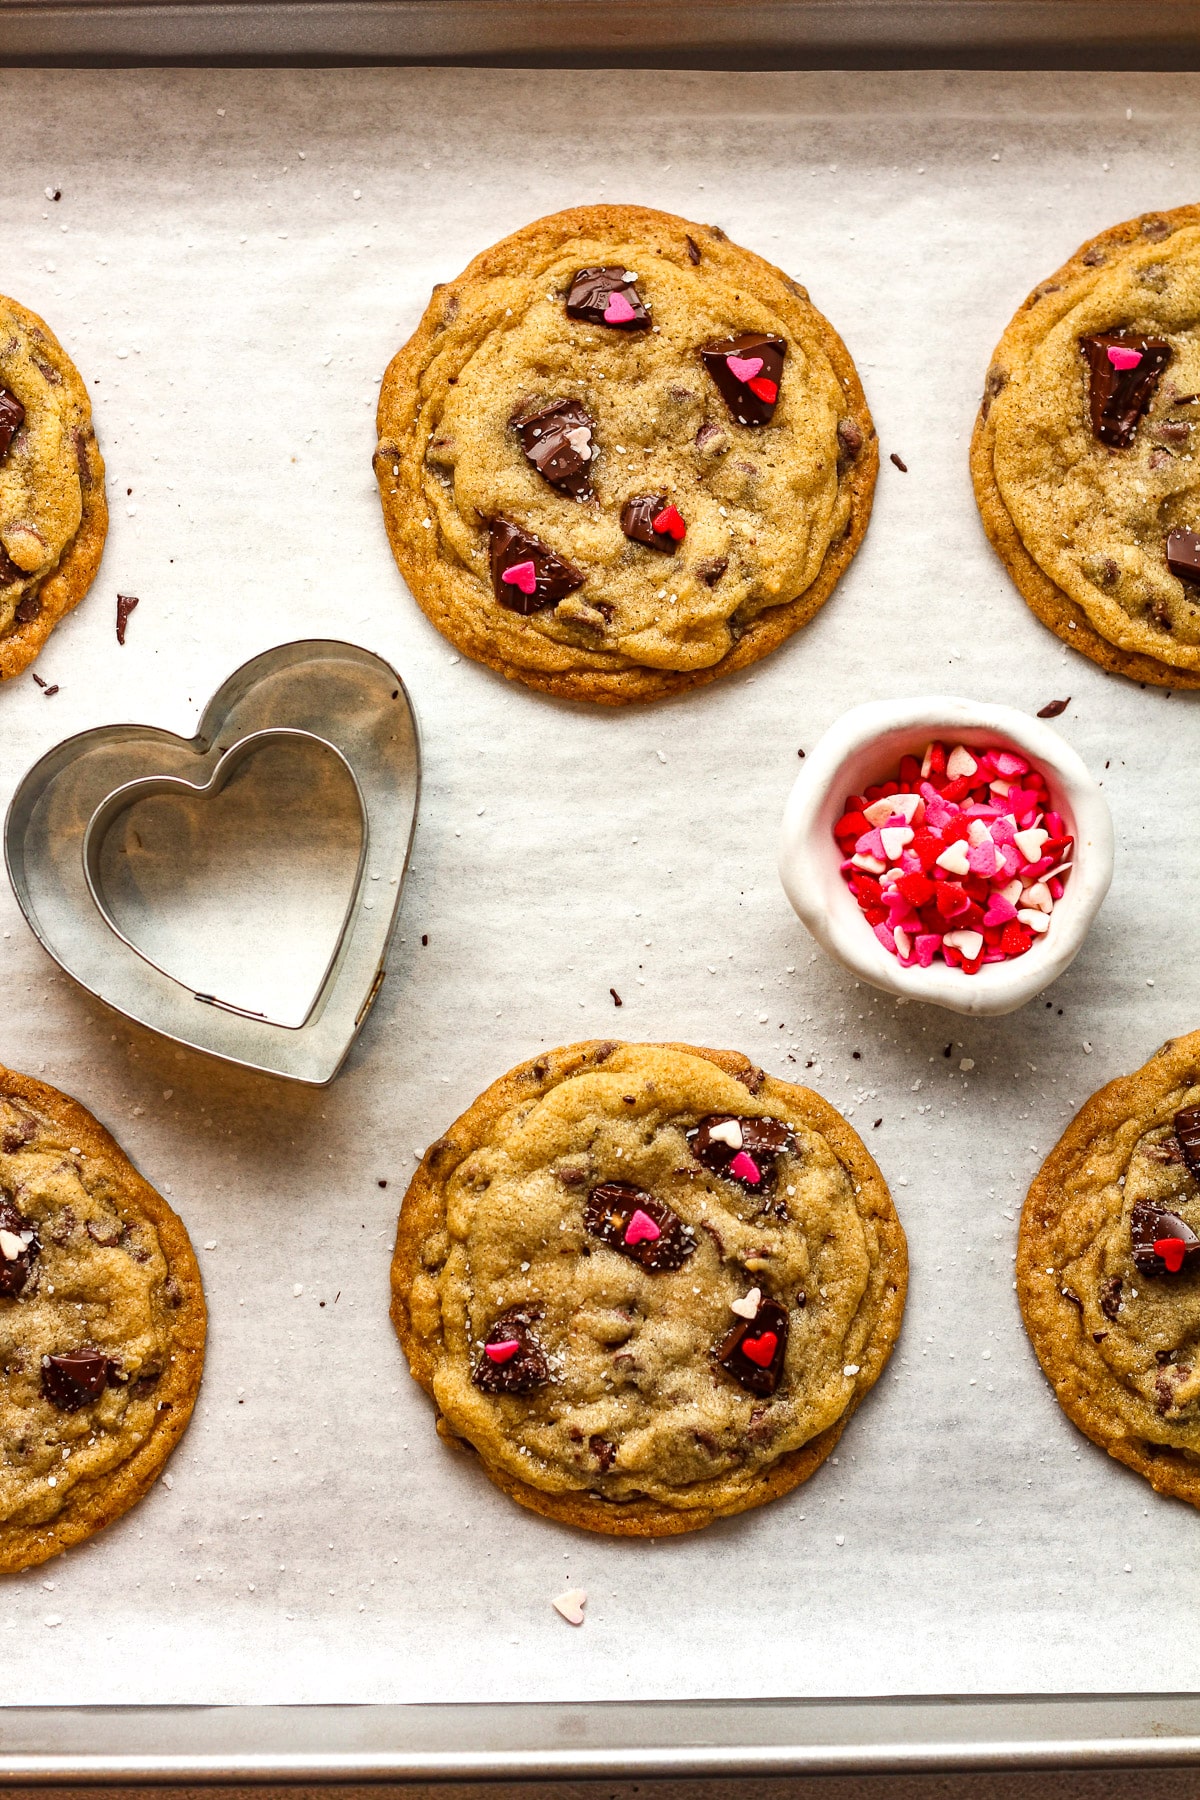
[234, 256]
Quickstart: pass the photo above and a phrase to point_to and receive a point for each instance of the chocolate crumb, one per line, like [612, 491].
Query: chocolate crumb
[900, 464]
[424, 937]
[617, 1000]
[1053, 708]
[693, 248]
[125, 605]
[50, 692]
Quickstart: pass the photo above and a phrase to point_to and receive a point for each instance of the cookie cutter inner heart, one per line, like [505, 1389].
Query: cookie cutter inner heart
[238, 888]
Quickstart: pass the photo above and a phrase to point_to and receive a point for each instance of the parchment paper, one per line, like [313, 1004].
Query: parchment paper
[233, 259]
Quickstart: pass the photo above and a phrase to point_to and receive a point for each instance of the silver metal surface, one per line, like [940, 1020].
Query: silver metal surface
[257, 930]
[514, 1742]
[731, 34]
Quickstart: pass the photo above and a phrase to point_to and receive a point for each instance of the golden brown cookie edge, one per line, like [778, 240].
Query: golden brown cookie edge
[62, 590]
[765, 633]
[1167, 1470]
[423, 1211]
[1044, 598]
[97, 1503]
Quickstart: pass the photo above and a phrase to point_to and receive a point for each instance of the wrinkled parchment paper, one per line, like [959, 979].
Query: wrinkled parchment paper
[234, 257]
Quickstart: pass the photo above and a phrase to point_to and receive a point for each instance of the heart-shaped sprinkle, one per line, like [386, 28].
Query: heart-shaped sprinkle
[1172, 1250]
[522, 575]
[744, 1168]
[747, 1306]
[571, 1605]
[744, 367]
[670, 523]
[760, 1350]
[641, 1229]
[728, 1132]
[618, 311]
[767, 391]
[503, 1351]
[513, 1362]
[1122, 358]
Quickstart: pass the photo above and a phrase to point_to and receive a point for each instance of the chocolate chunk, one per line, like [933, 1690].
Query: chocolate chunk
[12, 417]
[9, 572]
[1148, 1228]
[521, 1370]
[609, 1214]
[604, 1452]
[850, 440]
[637, 522]
[19, 1247]
[1053, 708]
[125, 605]
[20, 1134]
[1119, 397]
[557, 439]
[1110, 1296]
[707, 432]
[591, 293]
[553, 577]
[30, 605]
[751, 400]
[758, 1371]
[711, 569]
[105, 1232]
[1187, 1133]
[693, 249]
[76, 1378]
[1183, 555]
[762, 1143]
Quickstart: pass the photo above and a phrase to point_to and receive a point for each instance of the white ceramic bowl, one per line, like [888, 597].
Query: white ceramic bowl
[865, 746]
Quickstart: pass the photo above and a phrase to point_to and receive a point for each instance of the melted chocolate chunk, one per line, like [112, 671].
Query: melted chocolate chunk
[557, 439]
[1149, 1226]
[19, 1247]
[12, 417]
[525, 1369]
[1119, 397]
[758, 1373]
[609, 1215]
[604, 1452]
[711, 570]
[23, 1133]
[554, 578]
[753, 401]
[590, 294]
[637, 522]
[1187, 1133]
[1110, 1296]
[693, 248]
[764, 1141]
[1183, 555]
[30, 605]
[76, 1378]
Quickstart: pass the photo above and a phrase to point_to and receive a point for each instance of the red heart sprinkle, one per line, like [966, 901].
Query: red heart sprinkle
[503, 1351]
[760, 1350]
[766, 390]
[1172, 1251]
[670, 522]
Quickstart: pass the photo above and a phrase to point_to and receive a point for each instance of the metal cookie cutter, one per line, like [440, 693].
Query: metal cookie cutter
[236, 891]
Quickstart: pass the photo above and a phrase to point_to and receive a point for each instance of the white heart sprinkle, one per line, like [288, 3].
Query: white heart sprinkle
[747, 1306]
[960, 762]
[571, 1605]
[728, 1132]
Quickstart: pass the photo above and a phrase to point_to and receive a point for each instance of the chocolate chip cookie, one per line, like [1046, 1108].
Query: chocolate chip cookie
[622, 456]
[1108, 1269]
[53, 514]
[647, 1283]
[102, 1326]
[1084, 455]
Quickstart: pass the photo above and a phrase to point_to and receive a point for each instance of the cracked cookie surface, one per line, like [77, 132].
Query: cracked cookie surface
[774, 510]
[1080, 513]
[1116, 1326]
[694, 1272]
[53, 513]
[102, 1326]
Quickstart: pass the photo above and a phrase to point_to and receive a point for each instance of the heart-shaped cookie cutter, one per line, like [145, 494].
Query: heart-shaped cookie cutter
[334, 699]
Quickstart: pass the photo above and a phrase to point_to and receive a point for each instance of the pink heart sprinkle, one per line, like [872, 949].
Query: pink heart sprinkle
[999, 910]
[744, 1168]
[618, 311]
[501, 1352]
[640, 1227]
[522, 575]
[744, 368]
[1123, 359]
